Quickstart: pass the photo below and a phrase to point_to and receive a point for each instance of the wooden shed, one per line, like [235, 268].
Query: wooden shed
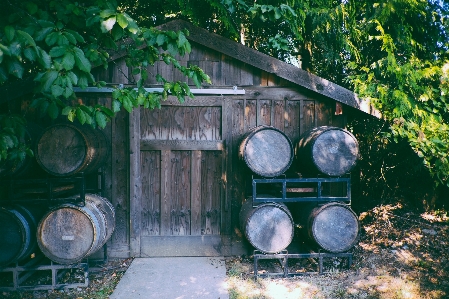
[174, 175]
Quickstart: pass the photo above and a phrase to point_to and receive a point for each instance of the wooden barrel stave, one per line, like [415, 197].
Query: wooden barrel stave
[66, 149]
[17, 234]
[333, 227]
[327, 150]
[268, 227]
[69, 233]
[266, 151]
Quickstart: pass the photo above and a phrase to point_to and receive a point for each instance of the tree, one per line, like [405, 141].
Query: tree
[393, 53]
[57, 43]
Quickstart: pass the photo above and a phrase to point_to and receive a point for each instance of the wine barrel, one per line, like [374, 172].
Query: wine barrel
[17, 234]
[333, 226]
[328, 150]
[66, 149]
[69, 233]
[267, 151]
[268, 226]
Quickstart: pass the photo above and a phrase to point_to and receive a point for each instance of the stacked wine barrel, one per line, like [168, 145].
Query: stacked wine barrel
[323, 151]
[69, 232]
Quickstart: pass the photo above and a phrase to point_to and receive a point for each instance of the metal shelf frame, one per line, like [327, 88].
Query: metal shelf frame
[318, 197]
[21, 275]
[284, 256]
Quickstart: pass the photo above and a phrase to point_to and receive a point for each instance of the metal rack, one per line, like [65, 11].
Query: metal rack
[284, 256]
[311, 193]
[21, 276]
[306, 190]
[49, 191]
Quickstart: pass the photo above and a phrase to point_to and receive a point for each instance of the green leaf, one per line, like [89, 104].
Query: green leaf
[161, 39]
[82, 81]
[117, 32]
[122, 21]
[58, 51]
[53, 110]
[78, 37]
[9, 33]
[30, 54]
[81, 61]
[43, 33]
[68, 91]
[73, 78]
[48, 79]
[26, 37]
[68, 61]
[52, 38]
[116, 105]
[107, 13]
[127, 104]
[66, 110]
[81, 115]
[56, 90]
[101, 119]
[15, 68]
[107, 111]
[44, 58]
[15, 49]
[70, 37]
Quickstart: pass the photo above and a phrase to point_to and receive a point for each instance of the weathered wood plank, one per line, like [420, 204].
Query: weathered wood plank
[250, 112]
[135, 186]
[119, 181]
[157, 246]
[307, 116]
[210, 192]
[292, 125]
[204, 145]
[279, 114]
[203, 101]
[264, 112]
[179, 193]
[323, 114]
[151, 193]
[165, 192]
[195, 195]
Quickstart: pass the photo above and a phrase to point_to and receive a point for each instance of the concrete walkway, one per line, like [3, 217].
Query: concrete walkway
[174, 278]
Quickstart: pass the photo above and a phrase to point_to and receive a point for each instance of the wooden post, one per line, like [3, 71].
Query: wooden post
[135, 184]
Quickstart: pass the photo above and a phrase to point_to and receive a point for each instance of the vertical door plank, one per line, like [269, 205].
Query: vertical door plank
[180, 193]
[211, 175]
[292, 126]
[151, 193]
[278, 114]
[165, 192]
[307, 116]
[195, 197]
[264, 112]
[250, 111]
[135, 186]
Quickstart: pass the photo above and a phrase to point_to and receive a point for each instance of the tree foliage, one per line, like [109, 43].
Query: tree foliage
[57, 44]
[394, 53]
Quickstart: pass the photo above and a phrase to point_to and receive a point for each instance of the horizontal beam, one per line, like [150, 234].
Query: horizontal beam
[186, 145]
[215, 91]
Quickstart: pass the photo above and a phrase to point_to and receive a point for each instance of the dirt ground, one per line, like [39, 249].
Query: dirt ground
[401, 254]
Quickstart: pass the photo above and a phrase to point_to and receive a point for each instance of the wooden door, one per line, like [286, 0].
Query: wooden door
[181, 179]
